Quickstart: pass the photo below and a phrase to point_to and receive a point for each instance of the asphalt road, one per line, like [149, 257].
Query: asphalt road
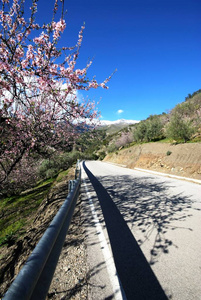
[143, 234]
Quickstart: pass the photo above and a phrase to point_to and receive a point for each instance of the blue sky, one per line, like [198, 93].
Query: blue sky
[155, 45]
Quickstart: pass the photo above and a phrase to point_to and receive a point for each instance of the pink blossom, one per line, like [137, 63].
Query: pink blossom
[38, 86]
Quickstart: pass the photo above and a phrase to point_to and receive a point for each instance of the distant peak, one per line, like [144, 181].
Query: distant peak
[120, 121]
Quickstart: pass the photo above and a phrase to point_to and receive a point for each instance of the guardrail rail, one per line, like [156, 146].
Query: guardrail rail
[34, 279]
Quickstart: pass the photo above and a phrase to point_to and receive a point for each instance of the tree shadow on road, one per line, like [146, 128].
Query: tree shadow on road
[138, 280]
[150, 210]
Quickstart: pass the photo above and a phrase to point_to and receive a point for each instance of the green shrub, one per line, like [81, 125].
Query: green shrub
[149, 130]
[111, 148]
[179, 129]
[7, 235]
[50, 167]
[102, 155]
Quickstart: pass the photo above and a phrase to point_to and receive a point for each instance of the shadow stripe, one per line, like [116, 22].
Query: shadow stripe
[138, 280]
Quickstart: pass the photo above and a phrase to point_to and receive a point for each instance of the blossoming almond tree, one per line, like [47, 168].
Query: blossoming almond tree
[38, 84]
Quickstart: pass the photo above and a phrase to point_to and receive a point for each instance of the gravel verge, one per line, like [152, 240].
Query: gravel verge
[70, 277]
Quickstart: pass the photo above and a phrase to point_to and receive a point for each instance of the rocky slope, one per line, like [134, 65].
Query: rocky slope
[181, 159]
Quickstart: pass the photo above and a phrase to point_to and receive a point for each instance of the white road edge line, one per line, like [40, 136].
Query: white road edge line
[156, 173]
[169, 175]
[118, 291]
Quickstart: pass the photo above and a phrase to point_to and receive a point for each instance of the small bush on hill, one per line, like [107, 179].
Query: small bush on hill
[50, 167]
[149, 130]
[179, 129]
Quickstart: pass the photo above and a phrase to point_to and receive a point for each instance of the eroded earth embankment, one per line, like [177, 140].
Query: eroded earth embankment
[180, 159]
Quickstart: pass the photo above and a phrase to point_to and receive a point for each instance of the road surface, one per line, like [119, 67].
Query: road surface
[143, 234]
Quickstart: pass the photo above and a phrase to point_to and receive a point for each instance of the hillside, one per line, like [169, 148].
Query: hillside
[180, 125]
[180, 159]
[168, 143]
[112, 127]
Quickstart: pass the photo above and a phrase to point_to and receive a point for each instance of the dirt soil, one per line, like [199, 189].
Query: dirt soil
[181, 159]
[70, 279]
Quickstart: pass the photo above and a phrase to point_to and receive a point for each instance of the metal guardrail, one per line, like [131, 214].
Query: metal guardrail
[34, 279]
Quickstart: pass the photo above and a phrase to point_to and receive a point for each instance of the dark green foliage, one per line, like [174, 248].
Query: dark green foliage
[49, 168]
[102, 155]
[154, 128]
[112, 148]
[90, 143]
[179, 129]
[149, 130]
[190, 110]
[15, 210]
[191, 96]
[86, 147]
[185, 118]
[140, 132]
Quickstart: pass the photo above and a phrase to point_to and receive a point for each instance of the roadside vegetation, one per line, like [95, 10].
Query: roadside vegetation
[20, 202]
[43, 126]
[181, 125]
[16, 211]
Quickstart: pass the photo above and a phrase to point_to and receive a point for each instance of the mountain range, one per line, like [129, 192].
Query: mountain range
[118, 122]
[114, 126]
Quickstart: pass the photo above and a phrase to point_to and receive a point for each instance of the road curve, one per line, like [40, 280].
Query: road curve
[151, 226]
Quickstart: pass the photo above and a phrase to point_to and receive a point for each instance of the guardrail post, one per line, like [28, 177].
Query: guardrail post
[77, 170]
